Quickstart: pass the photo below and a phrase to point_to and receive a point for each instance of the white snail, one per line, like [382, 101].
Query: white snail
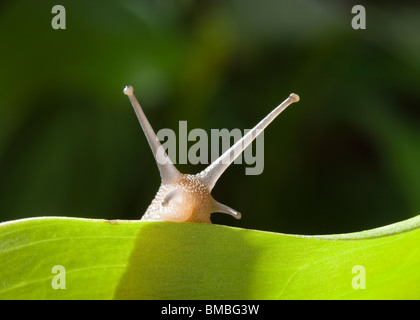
[185, 197]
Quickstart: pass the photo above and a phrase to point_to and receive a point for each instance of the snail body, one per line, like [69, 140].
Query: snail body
[186, 197]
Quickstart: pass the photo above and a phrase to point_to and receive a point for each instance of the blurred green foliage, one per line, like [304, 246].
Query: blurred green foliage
[345, 158]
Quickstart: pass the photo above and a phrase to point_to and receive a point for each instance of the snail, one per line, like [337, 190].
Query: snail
[186, 197]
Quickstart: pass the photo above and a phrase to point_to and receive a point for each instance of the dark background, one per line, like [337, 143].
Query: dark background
[345, 158]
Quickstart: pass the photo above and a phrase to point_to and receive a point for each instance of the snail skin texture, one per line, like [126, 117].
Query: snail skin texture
[185, 197]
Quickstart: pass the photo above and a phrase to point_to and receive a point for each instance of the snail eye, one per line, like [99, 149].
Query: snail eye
[170, 196]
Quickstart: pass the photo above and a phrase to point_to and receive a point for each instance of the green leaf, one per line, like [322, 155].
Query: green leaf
[160, 260]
